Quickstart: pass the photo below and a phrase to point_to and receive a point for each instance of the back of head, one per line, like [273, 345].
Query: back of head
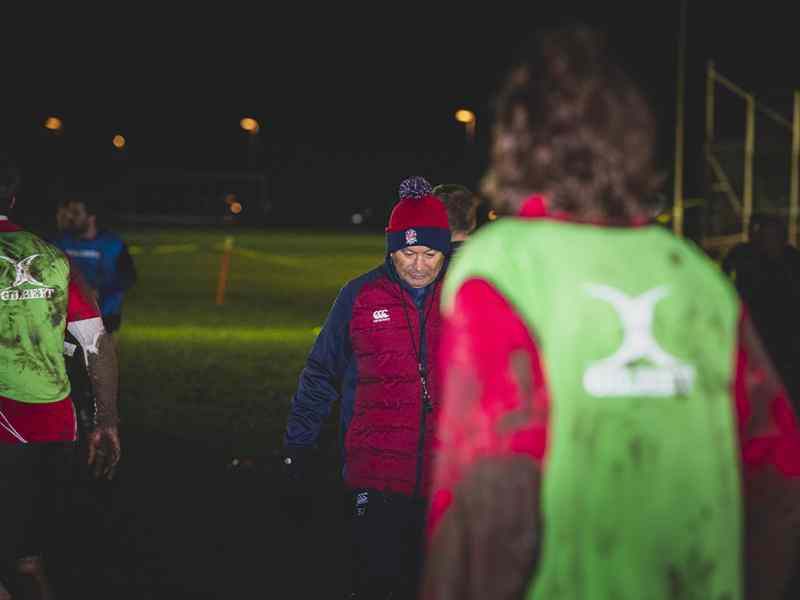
[461, 206]
[571, 125]
[768, 233]
[78, 213]
[10, 181]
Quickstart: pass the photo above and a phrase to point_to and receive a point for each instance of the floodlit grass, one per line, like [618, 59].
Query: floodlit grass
[225, 374]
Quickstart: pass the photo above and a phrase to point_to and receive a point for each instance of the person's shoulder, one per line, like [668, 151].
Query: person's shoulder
[44, 245]
[110, 237]
[355, 284]
[740, 251]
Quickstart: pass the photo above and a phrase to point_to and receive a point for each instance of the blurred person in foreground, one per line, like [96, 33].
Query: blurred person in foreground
[612, 427]
[41, 297]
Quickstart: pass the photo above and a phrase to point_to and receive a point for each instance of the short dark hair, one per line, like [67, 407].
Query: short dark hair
[90, 203]
[571, 124]
[461, 204]
[10, 181]
[761, 220]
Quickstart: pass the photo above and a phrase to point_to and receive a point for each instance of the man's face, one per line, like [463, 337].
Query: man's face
[418, 266]
[73, 218]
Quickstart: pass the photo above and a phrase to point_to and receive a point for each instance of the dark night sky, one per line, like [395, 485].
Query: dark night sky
[350, 102]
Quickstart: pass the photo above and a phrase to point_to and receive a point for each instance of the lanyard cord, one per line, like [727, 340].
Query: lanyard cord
[422, 370]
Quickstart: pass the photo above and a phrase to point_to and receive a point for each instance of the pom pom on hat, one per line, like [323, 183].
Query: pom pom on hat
[415, 187]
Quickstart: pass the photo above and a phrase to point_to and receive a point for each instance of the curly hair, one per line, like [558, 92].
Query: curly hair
[572, 125]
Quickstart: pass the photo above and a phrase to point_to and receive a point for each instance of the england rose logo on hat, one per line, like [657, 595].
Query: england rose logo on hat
[418, 219]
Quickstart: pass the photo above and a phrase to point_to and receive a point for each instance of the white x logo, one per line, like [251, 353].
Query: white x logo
[23, 271]
[622, 373]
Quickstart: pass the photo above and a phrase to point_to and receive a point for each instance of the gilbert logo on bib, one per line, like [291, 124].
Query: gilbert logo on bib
[640, 367]
[411, 237]
[25, 286]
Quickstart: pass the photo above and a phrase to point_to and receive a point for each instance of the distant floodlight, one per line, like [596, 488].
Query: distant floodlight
[53, 124]
[357, 219]
[492, 216]
[465, 116]
[250, 125]
[118, 141]
[236, 208]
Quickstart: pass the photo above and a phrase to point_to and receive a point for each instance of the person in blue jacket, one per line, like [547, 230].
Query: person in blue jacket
[101, 255]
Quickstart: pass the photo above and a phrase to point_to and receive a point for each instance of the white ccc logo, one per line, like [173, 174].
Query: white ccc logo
[379, 316]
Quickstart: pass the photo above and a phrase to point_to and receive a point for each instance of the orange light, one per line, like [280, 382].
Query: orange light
[465, 116]
[492, 216]
[230, 199]
[118, 141]
[250, 125]
[53, 124]
[236, 208]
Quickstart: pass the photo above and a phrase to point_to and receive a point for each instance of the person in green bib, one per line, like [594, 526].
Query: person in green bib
[611, 426]
[41, 298]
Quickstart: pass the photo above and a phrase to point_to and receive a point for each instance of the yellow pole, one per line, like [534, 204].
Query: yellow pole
[224, 268]
[677, 200]
[794, 188]
[709, 143]
[749, 148]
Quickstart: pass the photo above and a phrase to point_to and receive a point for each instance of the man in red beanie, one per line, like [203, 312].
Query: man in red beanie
[375, 353]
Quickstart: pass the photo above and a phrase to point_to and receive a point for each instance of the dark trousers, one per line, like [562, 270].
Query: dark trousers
[33, 481]
[388, 541]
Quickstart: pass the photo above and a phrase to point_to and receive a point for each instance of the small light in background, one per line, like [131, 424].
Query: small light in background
[664, 218]
[236, 208]
[250, 125]
[492, 216]
[53, 124]
[118, 141]
[465, 116]
[357, 219]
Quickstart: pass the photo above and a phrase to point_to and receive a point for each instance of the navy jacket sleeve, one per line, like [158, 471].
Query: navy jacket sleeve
[322, 375]
[124, 272]
[126, 269]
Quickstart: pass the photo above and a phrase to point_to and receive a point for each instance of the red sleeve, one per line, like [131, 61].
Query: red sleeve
[770, 449]
[483, 533]
[81, 302]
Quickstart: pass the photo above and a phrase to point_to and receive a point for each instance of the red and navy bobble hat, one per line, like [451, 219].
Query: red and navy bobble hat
[418, 219]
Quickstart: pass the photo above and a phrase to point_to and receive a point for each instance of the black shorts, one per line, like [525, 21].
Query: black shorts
[34, 479]
[112, 322]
